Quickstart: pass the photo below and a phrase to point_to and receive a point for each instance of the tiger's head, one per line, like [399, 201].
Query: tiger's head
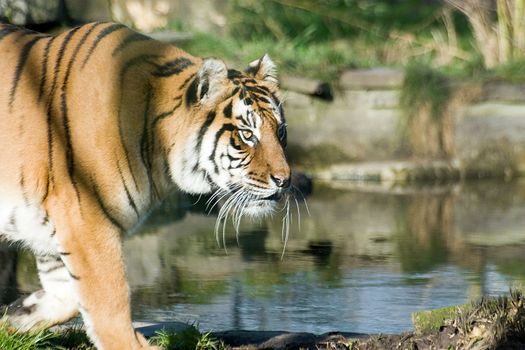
[237, 145]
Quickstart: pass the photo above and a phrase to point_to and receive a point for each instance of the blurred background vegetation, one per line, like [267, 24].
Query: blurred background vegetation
[465, 38]
[319, 38]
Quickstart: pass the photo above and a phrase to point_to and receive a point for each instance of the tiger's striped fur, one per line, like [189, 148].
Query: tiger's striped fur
[98, 124]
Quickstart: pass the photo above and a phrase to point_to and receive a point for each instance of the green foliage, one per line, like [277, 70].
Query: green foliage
[307, 21]
[72, 339]
[75, 339]
[188, 339]
[513, 70]
[432, 320]
[317, 60]
[424, 86]
[318, 39]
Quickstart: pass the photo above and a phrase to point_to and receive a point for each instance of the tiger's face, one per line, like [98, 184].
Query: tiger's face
[250, 157]
[241, 140]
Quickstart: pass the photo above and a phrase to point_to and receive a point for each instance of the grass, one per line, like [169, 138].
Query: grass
[432, 320]
[317, 60]
[326, 60]
[424, 85]
[73, 339]
[188, 339]
[76, 339]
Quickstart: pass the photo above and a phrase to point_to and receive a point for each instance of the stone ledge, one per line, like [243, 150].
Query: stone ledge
[374, 78]
[391, 171]
[504, 92]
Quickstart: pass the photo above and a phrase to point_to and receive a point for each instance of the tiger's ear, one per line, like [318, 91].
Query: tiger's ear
[263, 69]
[211, 79]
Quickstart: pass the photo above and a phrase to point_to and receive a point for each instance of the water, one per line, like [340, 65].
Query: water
[363, 261]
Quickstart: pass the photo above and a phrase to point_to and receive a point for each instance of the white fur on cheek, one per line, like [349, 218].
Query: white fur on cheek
[183, 161]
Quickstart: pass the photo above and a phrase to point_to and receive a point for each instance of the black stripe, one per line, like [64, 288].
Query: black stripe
[185, 82]
[173, 67]
[75, 277]
[191, 93]
[69, 145]
[105, 32]
[235, 91]
[248, 157]
[134, 61]
[24, 54]
[228, 110]
[130, 63]
[58, 62]
[258, 186]
[45, 220]
[129, 40]
[44, 68]
[6, 30]
[126, 189]
[202, 131]
[11, 225]
[64, 110]
[261, 90]
[204, 88]
[164, 115]
[45, 259]
[145, 145]
[233, 74]
[235, 145]
[106, 212]
[222, 130]
[23, 187]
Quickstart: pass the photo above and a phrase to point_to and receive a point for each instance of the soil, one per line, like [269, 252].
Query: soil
[449, 337]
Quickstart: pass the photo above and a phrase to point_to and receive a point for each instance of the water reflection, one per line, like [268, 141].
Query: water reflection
[362, 261]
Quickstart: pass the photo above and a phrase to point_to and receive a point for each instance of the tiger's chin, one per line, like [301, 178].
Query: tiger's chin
[258, 208]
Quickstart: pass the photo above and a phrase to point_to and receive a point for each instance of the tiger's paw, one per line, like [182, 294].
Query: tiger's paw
[37, 311]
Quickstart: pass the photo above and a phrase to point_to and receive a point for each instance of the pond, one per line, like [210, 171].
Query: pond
[362, 260]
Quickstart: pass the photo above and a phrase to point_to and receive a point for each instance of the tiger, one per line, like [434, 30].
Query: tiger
[99, 124]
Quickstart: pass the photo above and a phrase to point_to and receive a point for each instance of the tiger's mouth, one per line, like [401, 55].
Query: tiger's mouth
[277, 196]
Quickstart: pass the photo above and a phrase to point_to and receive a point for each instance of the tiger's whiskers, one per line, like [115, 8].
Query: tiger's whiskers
[237, 201]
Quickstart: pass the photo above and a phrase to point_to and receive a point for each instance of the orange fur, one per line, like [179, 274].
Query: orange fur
[97, 124]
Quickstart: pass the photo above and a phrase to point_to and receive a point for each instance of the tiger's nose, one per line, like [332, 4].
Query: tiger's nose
[281, 181]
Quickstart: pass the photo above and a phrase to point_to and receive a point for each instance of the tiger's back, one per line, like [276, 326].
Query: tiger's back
[61, 90]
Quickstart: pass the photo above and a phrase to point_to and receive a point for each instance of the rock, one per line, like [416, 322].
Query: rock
[311, 87]
[391, 171]
[498, 148]
[171, 37]
[87, 11]
[375, 99]
[26, 12]
[374, 78]
[504, 92]
[142, 15]
[284, 340]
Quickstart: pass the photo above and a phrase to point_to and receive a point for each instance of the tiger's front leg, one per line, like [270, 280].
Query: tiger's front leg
[92, 253]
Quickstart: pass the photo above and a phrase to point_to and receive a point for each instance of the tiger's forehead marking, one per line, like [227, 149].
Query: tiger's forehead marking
[246, 114]
[268, 107]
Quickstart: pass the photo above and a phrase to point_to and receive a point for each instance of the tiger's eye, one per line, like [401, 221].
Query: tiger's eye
[247, 134]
